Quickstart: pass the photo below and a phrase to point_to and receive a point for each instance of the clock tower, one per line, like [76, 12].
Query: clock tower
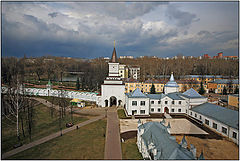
[112, 91]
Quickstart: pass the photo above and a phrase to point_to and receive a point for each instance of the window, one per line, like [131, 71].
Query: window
[120, 71]
[186, 111]
[191, 113]
[195, 115]
[179, 110]
[159, 102]
[214, 125]
[172, 110]
[130, 90]
[200, 117]
[152, 109]
[165, 102]
[173, 102]
[206, 121]
[152, 102]
[142, 103]
[179, 102]
[159, 109]
[134, 103]
[234, 135]
[224, 130]
[142, 111]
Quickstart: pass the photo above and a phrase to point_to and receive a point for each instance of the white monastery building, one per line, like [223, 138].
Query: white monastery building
[171, 102]
[189, 103]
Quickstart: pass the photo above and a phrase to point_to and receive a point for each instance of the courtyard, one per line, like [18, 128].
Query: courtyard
[178, 126]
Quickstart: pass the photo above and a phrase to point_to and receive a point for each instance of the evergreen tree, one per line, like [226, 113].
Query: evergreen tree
[236, 90]
[201, 90]
[224, 92]
[78, 84]
[152, 90]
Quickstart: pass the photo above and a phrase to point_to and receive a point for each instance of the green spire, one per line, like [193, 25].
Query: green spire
[49, 83]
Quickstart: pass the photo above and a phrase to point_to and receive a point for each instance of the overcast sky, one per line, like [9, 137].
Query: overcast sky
[88, 29]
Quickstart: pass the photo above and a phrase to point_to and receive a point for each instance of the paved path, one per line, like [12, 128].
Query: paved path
[49, 137]
[167, 116]
[112, 143]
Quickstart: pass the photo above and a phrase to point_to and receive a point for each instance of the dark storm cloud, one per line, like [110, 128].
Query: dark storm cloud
[53, 14]
[182, 18]
[88, 30]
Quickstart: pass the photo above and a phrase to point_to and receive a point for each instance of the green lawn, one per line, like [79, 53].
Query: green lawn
[55, 100]
[121, 114]
[130, 150]
[44, 125]
[85, 143]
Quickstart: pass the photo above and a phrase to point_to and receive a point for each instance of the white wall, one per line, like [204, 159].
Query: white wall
[219, 125]
[138, 107]
[87, 96]
[112, 90]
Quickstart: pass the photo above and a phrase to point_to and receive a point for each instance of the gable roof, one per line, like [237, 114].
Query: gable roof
[166, 145]
[191, 93]
[175, 96]
[155, 96]
[136, 94]
[224, 115]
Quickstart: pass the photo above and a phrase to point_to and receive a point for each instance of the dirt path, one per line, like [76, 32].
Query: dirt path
[112, 142]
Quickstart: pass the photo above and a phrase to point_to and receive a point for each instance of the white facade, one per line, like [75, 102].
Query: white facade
[87, 96]
[111, 91]
[217, 126]
[134, 72]
[137, 106]
[113, 69]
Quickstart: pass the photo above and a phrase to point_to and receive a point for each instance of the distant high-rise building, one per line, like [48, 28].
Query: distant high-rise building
[134, 72]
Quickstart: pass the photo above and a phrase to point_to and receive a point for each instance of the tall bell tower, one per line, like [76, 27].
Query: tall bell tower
[112, 91]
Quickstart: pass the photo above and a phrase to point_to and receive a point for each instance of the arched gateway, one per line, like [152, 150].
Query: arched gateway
[113, 101]
[166, 110]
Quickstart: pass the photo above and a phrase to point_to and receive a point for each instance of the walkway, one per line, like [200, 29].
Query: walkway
[112, 143]
[167, 116]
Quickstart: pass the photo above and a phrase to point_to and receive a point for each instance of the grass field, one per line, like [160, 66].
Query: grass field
[130, 150]
[121, 114]
[85, 143]
[44, 125]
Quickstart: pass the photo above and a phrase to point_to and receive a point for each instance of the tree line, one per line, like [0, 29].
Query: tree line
[94, 71]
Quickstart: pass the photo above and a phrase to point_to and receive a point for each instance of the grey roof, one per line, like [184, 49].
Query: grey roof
[155, 96]
[166, 145]
[175, 96]
[191, 93]
[224, 115]
[136, 94]
[225, 81]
